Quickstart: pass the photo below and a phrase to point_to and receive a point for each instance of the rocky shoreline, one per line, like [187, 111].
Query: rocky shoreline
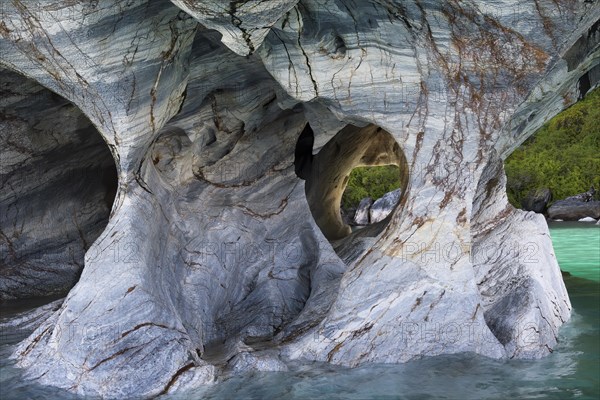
[583, 207]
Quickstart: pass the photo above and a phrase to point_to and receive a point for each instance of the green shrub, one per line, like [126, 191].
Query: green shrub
[371, 182]
[563, 155]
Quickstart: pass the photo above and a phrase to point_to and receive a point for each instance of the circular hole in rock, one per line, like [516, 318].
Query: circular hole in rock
[328, 172]
[58, 182]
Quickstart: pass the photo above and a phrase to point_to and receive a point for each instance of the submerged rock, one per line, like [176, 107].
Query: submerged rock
[23, 324]
[244, 362]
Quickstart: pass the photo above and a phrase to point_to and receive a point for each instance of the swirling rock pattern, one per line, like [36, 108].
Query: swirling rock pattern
[211, 253]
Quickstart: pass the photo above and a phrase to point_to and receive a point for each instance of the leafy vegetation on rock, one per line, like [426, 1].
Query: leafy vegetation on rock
[371, 182]
[563, 155]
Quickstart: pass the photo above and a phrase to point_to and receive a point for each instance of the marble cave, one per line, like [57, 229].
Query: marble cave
[175, 169]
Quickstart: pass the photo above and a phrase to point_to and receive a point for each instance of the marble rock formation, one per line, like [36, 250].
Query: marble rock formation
[221, 252]
[369, 211]
[361, 216]
[384, 206]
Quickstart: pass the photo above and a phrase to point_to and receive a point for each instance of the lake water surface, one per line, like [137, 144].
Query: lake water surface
[571, 372]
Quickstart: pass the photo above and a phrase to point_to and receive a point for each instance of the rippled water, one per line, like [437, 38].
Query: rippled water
[571, 372]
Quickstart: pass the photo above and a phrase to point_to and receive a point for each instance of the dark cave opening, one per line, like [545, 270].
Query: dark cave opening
[58, 182]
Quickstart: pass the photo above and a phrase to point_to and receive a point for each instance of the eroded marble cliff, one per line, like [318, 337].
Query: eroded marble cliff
[211, 260]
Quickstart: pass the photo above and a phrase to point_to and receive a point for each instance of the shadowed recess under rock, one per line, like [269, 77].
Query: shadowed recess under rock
[57, 185]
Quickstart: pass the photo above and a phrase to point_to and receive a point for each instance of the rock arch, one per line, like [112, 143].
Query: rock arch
[327, 172]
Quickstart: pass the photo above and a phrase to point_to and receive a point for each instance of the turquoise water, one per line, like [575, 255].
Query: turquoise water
[577, 248]
[571, 372]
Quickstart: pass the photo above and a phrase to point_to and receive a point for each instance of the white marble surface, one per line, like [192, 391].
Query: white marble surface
[384, 206]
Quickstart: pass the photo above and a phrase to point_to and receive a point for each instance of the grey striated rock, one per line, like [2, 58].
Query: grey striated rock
[574, 210]
[243, 24]
[586, 196]
[214, 238]
[384, 206]
[537, 201]
[361, 217]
